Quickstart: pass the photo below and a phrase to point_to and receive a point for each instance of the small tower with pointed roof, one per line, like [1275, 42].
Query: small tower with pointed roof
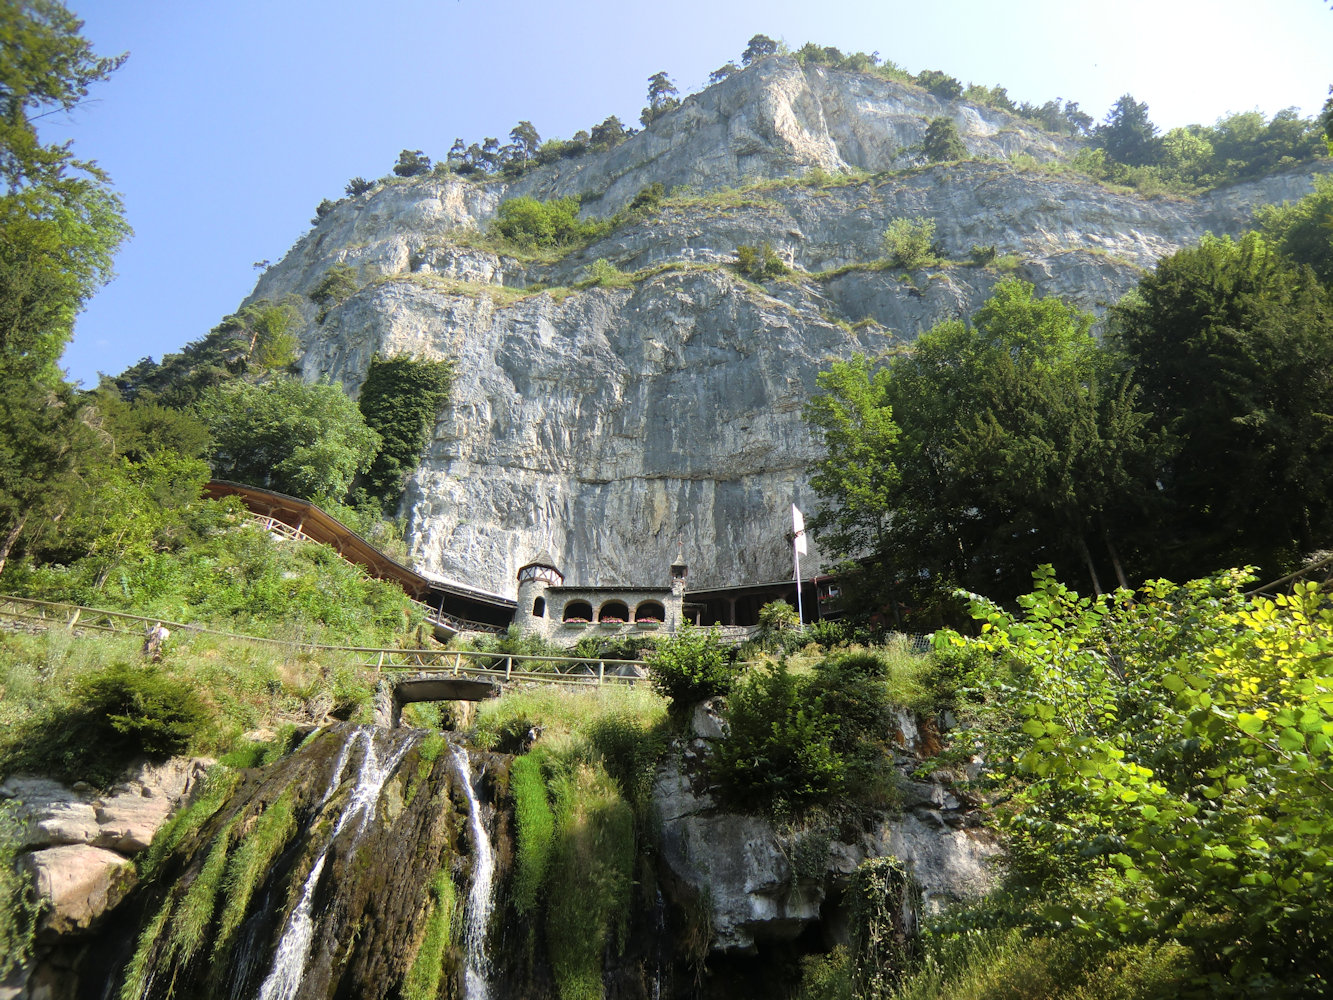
[533, 579]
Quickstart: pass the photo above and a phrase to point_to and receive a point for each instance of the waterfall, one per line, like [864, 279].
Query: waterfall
[294, 946]
[481, 897]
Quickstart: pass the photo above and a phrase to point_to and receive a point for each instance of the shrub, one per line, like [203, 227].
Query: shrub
[607, 275]
[690, 667]
[18, 908]
[530, 223]
[412, 163]
[113, 716]
[649, 199]
[942, 141]
[629, 751]
[339, 284]
[401, 399]
[758, 263]
[778, 623]
[322, 210]
[779, 755]
[910, 242]
[358, 185]
[940, 84]
[982, 255]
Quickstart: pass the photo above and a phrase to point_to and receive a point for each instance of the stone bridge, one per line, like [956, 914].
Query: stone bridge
[392, 693]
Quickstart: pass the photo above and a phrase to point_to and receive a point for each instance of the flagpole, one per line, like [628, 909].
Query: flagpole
[797, 547]
[800, 608]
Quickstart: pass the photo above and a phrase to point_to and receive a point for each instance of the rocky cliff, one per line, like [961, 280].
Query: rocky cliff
[607, 423]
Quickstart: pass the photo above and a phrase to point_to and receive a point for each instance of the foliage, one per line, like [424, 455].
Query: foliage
[1234, 351]
[884, 903]
[759, 263]
[400, 400]
[286, 435]
[662, 97]
[604, 274]
[942, 141]
[249, 864]
[528, 222]
[251, 341]
[629, 748]
[690, 667]
[535, 829]
[989, 447]
[340, 283]
[757, 48]
[18, 905]
[1128, 134]
[412, 163]
[422, 981]
[358, 185]
[940, 84]
[779, 753]
[777, 621]
[590, 879]
[113, 716]
[910, 242]
[1170, 748]
[1303, 231]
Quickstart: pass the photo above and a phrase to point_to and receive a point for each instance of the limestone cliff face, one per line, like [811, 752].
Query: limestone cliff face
[608, 424]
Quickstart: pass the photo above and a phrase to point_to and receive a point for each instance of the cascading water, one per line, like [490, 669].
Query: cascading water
[481, 897]
[294, 946]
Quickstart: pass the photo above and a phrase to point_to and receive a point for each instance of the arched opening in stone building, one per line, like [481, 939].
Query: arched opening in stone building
[614, 611]
[650, 611]
[578, 611]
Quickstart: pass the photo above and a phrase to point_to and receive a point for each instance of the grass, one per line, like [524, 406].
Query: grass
[535, 825]
[250, 863]
[422, 981]
[242, 686]
[566, 714]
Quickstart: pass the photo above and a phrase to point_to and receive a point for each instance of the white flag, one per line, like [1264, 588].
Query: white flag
[798, 528]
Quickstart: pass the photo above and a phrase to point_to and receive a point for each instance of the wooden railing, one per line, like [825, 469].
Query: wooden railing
[510, 667]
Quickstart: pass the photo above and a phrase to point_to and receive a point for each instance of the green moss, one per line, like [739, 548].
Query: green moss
[423, 977]
[218, 785]
[250, 863]
[590, 882]
[194, 912]
[535, 828]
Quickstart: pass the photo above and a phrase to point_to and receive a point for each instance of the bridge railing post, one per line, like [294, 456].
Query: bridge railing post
[509, 666]
[601, 672]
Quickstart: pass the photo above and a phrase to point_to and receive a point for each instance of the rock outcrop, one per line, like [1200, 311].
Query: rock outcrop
[761, 881]
[610, 424]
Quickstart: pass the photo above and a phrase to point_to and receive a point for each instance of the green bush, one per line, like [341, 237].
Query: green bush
[629, 752]
[112, 716]
[779, 625]
[983, 255]
[780, 754]
[691, 667]
[910, 242]
[759, 263]
[606, 275]
[340, 283]
[400, 400]
[18, 907]
[527, 222]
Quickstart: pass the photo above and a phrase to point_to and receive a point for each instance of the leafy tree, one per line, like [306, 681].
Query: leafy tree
[526, 141]
[722, 72]
[1326, 120]
[942, 141]
[1128, 135]
[609, 134]
[989, 448]
[358, 185]
[910, 242]
[690, 667]
[412, 163]
[1303, 232]
[661, 98]
[1234, 350]
[758, 48]
[400, 400]
[305, 440]
[322, 210]
[1169, 750]
[940, 84]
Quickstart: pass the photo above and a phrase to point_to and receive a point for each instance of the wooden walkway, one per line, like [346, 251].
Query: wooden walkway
[505, 668]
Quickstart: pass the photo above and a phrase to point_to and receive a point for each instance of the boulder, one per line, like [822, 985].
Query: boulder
[76, 883]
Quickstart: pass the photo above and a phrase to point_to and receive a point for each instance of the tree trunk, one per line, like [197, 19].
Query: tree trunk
[1092, 570]
[11, 537]
[1115, 557]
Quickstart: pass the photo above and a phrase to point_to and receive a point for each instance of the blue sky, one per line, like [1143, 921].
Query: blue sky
[230, 122]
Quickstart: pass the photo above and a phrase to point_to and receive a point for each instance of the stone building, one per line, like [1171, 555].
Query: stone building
[564, 615]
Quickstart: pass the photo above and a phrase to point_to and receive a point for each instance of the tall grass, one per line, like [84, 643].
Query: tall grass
[423, 977]
[566, 713]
